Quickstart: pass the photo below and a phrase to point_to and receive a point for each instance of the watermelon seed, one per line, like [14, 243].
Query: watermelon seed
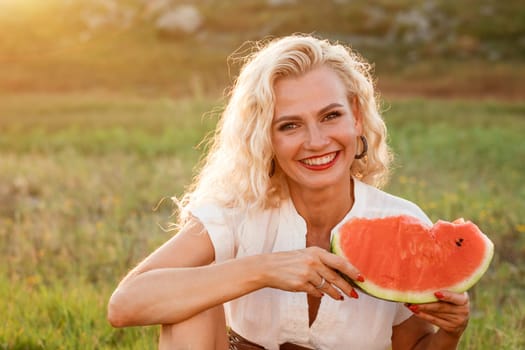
[459, 242]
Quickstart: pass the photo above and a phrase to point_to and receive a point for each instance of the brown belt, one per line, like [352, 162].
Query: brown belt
[237, 342]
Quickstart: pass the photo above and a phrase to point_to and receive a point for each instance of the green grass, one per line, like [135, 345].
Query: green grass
[65, 315]
[80, 176]
[94, 133]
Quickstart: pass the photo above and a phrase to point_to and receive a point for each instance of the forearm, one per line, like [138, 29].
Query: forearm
[171, 295]
[440, 340]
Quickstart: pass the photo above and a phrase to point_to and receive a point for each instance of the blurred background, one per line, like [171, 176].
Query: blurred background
[104, 103]
[431, 47]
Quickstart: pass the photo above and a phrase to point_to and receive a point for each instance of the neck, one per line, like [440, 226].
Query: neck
[323, 209]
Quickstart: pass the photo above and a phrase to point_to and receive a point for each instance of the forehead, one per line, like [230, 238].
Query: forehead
[309, 92]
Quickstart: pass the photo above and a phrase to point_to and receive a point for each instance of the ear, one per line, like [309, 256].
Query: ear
[356, 111]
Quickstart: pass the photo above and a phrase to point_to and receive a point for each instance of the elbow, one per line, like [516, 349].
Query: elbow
[115, 318]
[118, 313]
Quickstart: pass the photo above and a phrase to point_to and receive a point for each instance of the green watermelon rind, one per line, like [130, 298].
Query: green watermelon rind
[415, 297]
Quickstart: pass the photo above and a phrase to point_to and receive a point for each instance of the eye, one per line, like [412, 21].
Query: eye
[332, 115]
[287, 126]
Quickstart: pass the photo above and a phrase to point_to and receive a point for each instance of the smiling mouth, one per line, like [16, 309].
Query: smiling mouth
[322, 161]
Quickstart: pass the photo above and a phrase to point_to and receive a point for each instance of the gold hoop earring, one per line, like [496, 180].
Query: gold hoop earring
[359, 174]
[365, 148]
[363, 157]
[272, 168]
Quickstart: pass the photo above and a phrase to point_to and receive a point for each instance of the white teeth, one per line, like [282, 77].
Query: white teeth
[320, 160]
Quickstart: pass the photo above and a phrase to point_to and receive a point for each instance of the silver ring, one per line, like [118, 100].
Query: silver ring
[321, 285]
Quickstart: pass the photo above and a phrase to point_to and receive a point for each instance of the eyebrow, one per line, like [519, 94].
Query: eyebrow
[321, 111]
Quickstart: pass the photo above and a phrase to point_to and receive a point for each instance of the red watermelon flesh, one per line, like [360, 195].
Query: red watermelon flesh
[404, 260]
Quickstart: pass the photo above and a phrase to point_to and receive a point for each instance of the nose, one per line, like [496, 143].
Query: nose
[315, 138]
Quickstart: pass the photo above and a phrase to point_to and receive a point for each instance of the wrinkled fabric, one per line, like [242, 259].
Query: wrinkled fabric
[270, 317]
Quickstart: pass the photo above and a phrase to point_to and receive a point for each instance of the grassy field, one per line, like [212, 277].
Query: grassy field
[82, 175]
[100, 124]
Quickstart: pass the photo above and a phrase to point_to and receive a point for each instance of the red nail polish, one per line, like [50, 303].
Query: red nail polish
[354, 294]
[341, 298]
[439, 295]
[360, 278]
[414, 308]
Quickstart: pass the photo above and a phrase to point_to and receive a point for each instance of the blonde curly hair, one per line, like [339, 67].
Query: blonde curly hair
[235, 171]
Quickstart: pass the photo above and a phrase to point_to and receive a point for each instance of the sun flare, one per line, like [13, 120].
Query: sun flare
[7, 7]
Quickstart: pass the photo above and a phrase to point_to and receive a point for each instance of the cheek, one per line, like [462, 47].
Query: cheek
[281, 147]
[350, 142]
[285, 148]
[347, 135]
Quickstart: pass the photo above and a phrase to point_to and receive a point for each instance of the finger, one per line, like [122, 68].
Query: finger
[443, 310]
[443, 307]
[452, 325]
[450, 317]
[336, 284]
[335, 293]
[314, 263]
[448, 303]
[452, 297]
[321, 284]
[326, 287]
[342, 265]
[313, 291]
[310, 289]
[324, 263]
[456, 315]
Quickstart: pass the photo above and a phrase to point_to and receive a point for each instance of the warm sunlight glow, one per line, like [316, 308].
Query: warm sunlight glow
[33, 25]
[7, 7]
[19, 2]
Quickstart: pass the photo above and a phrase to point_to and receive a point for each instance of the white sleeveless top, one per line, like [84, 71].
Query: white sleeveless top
[270, 316]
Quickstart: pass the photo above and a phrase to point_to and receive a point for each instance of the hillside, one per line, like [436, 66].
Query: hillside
[439, 48]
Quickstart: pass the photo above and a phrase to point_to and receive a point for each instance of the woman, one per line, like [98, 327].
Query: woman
[300, 148]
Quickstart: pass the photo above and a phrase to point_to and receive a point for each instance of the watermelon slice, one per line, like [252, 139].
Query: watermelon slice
[406, 261]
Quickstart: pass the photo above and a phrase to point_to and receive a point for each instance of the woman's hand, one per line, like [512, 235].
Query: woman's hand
[450, 313]
[312, 270]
